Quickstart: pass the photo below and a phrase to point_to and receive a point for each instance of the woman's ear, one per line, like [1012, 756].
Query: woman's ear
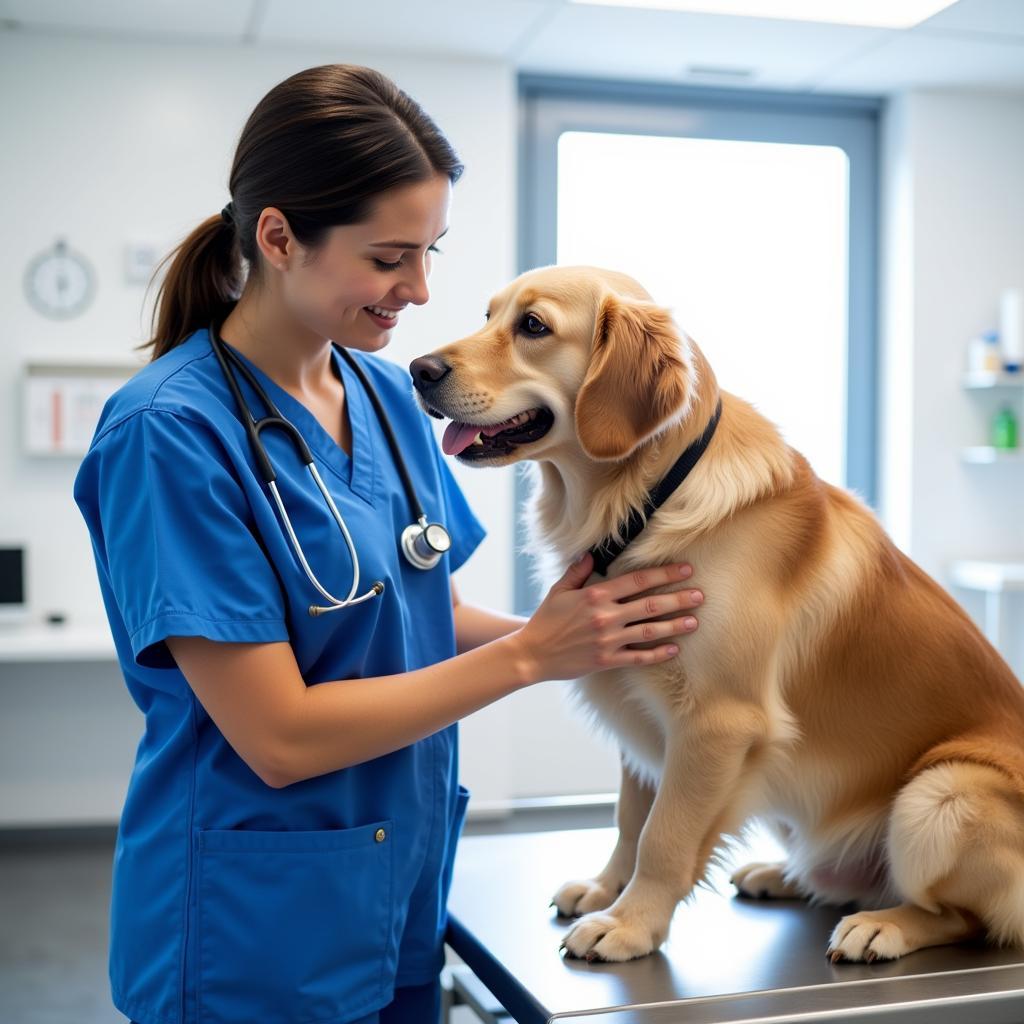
[638, 379]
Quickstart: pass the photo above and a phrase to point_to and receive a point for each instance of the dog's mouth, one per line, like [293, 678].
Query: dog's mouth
[490, 440]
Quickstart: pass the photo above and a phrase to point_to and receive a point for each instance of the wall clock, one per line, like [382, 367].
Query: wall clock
[59, 282]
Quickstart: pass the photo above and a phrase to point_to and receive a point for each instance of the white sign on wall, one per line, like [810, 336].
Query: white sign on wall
[62, 405]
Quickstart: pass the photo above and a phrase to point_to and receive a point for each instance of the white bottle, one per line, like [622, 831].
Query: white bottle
[1011, 329]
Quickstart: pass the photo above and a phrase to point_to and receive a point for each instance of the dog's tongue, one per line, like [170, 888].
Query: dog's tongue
[458, 437]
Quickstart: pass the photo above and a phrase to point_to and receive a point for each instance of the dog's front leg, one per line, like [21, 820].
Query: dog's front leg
[584, 895]
[704, 764]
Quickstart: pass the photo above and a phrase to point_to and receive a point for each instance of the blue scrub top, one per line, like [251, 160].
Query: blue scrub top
[233, 901]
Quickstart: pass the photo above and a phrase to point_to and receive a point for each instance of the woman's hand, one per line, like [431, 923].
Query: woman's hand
[578, 630]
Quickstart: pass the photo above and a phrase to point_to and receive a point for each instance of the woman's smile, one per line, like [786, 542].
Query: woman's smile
[383, 316]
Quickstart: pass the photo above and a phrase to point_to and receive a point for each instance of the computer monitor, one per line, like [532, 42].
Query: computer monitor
[13, 600]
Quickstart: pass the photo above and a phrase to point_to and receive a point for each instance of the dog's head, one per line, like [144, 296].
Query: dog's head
[569, 358]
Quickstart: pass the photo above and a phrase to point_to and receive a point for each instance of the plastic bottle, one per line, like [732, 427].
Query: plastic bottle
[1004, 429]
[983, 353]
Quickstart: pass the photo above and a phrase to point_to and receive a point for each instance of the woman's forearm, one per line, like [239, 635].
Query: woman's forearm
[340, 723]
[475, 626]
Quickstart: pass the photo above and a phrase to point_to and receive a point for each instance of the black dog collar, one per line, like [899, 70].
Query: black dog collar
[609, 549]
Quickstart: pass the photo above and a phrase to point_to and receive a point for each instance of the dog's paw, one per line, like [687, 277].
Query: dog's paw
[583, 896]
[867, 937]
[765, 881]
[609, 937]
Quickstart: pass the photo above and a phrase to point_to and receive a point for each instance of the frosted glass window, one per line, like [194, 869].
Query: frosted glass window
[746, 243]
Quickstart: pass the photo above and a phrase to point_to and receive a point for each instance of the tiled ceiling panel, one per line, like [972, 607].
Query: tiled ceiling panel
[483, 28]
[666, 45]
[169, 19]
[926, 60]
[972, 44]
[999, 17]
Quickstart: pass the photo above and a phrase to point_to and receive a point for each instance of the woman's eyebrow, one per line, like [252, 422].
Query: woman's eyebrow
[404, 245]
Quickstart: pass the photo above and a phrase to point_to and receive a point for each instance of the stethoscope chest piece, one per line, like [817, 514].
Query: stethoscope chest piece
[424, 543]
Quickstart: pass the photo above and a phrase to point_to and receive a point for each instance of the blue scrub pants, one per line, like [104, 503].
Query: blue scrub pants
[418, 1004]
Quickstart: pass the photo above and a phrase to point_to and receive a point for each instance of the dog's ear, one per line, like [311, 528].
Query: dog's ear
[637, 380]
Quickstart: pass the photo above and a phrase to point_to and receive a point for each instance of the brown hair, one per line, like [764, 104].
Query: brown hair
[321, 147]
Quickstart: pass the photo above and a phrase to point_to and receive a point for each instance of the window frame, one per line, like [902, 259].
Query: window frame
[549, 106]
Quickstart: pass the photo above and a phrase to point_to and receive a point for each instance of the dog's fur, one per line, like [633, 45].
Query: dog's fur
[833, 689]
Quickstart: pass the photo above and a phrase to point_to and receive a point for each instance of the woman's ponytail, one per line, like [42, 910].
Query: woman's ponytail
[202, 284]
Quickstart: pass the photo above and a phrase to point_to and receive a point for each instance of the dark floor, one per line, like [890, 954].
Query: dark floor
[54, 896]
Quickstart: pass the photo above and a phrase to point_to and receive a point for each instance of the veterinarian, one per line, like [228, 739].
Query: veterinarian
[286, 844]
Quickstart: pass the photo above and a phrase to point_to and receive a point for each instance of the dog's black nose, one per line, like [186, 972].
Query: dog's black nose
[427, 372]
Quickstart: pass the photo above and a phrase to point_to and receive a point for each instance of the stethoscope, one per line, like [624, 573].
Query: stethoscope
[422, 543]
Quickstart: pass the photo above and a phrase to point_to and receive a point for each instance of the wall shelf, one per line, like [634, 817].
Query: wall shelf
[994, 579]
[992, 379]
[984, 454]
[1009, 387]
[989, 576]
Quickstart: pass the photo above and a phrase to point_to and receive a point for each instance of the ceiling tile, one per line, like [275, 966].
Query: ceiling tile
[1001, 17]
[661, 45]
[490, 29]
[973, 44]
[197, 19]
[924, 60]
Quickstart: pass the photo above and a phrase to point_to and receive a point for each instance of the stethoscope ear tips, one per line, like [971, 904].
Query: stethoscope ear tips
[319, 609]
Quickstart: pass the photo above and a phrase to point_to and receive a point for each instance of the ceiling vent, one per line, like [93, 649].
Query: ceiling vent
[720, 72]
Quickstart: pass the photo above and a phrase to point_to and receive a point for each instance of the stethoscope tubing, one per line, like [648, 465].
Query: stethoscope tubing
[227, 358]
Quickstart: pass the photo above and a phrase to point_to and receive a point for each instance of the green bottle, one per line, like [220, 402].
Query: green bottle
[1004, 429]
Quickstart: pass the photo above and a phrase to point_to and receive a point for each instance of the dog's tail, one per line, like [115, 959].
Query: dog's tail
[956, 839]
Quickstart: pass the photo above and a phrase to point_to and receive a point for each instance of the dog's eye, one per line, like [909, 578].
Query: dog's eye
[533, 326]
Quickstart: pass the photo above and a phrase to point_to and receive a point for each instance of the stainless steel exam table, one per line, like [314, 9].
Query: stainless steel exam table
[728, 959]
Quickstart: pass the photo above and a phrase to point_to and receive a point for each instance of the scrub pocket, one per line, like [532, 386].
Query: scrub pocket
[458, 819]
[293, 927]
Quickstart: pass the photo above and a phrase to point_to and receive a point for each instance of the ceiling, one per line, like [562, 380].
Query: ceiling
[975, 44]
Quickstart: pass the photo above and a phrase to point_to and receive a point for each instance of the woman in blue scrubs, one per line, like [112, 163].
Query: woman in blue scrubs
[286, 845]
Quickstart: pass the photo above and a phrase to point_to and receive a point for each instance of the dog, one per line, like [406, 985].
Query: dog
[834, 691]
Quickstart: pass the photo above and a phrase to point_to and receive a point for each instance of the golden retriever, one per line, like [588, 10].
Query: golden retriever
[833, 691]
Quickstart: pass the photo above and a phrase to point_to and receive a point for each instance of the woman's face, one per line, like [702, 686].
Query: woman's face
[365, 274]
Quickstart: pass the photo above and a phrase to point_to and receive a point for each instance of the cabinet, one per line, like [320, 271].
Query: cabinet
[68, 727]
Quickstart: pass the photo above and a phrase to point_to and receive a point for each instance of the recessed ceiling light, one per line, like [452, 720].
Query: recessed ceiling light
[876, 13]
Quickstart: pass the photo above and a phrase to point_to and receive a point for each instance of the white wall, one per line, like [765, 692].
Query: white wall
[953, 238]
